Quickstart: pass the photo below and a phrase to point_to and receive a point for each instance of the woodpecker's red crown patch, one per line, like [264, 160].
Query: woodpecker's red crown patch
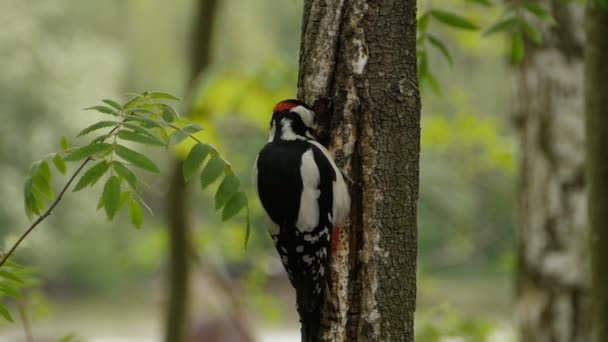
[285, 106]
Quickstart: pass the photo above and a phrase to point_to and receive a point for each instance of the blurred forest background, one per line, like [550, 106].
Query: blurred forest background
[106, 281]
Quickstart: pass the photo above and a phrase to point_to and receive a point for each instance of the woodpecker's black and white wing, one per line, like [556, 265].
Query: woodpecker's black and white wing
[303, 193]
[304, 196]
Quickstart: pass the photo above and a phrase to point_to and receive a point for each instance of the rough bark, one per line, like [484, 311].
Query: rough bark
[596, 108]
[552, 289]
[179, 227]
[358, 69]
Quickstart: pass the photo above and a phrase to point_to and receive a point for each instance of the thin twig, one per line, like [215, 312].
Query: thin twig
[52, 206]
[45, 214]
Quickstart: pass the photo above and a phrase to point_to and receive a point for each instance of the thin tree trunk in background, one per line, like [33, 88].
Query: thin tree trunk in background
[358, 68]
[552, 288]
[179, 227]
[596, 108]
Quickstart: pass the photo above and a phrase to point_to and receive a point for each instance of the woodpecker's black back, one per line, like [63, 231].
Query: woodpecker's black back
[304, 195]
[280, 188]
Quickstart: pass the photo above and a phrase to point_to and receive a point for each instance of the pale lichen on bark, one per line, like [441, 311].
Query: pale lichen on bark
[552, 302]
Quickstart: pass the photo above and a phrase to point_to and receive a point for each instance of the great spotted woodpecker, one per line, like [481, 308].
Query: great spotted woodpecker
[305, 196]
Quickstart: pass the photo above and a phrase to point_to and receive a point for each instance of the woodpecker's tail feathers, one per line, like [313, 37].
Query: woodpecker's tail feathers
[311, 324]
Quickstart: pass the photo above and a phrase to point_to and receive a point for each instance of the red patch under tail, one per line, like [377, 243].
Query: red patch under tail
[335, 238]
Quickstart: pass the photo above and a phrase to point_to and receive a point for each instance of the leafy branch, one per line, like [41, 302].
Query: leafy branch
[518, 21]
[447, 18]
[143, 119]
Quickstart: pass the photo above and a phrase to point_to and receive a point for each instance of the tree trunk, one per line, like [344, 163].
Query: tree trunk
[596, 108]
[179, 228]
[358, 69]
[552, 289]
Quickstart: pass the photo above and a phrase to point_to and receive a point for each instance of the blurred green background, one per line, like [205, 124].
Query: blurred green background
[105, 281]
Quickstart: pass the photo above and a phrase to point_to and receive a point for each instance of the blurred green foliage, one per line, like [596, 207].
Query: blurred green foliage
[444, 322]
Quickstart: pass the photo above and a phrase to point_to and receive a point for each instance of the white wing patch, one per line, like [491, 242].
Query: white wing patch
[341, 205]
[308, 215]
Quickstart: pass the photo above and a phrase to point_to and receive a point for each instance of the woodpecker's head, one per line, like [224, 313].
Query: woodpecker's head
[292, 120]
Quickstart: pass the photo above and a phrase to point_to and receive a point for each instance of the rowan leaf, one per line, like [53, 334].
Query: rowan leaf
[140, 138]
[113, 104]
[59, 164]
[531, 32]
[104, 110]
[111, 196]
[517, 47]
[169, 114]
[96, 126]
[127, 175]
[4, 313]
[136, 158]
[227, 189]
[163, 95]
[501, 26]
[11, 276]
[88, 151]
[145, 121]
[64, 143]
[136, 214]
[213, 169]
[441, 47]
[192, 128]
[9, 290]
[92, 175]
[178, 136]
[194, 160]
[145, 131]
[236, 203]
[454, 20]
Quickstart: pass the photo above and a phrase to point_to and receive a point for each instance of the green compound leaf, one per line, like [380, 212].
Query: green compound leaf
[192, 128]
[59, 164]
[169, 114]
[113, 104]
[88, 151]
[42, 178]
[442, 47]
[111, 196]
[540, 12]
[178, 136]
[453, 20]
[104, 110]
[140, 138]
[145, 131]
[234, 205]
[533, 34]
[145, 121]
[517, 47]
[11, 276]
[194, 160]
[136, 158]
[501, 26]
[97, 126]
[64, 143]
[127, 175]
[227, 189]
[136, 214]
[163, 95]
[4, 313]
[92, 175]
[214, 168]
